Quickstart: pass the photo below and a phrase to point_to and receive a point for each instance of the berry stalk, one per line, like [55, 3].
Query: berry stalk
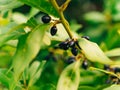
[60, 10]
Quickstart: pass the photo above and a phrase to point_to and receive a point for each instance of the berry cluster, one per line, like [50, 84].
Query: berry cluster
[115, 69]
[69, 43]
[46, 19]
[113, 79]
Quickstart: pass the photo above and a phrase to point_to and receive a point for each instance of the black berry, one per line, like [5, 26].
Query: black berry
[46, 19]
[113, 77]
[86, 37]
[71, 60]
[72, 43]
[107, 67]
[53, 30]
[85, 64]
[116, 70]
[74, 51]
[64, 45]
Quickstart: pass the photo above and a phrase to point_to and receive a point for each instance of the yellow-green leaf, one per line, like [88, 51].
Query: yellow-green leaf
[113, 52]
[28, 47]
[34, 71]
[113, 87]
[70, 77]
[92, 52]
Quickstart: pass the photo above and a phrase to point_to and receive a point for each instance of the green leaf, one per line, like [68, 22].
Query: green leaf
[93, 52]
[9, 4]
[113, 42]
[33, 12]
[95, 17]
[42, 5]
[33, 68]
[116, 17]
[6, 77]
[74, 25]
[113, 87]
[6, 28]
[113, 53]
[112, 8]
[3, 78]
[86, 88]
[28, 47]
[35, 71]
[70, 77]
[32, 22]
[12, 33]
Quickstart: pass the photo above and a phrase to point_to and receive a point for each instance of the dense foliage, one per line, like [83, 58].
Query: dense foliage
[41, 50]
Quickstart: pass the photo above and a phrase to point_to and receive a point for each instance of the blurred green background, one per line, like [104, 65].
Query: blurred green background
[98, 19]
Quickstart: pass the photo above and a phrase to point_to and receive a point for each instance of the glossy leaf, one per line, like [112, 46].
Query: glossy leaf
[9, 4]
[70, 77]
[93, 52]
[42, 5]
[28, 47]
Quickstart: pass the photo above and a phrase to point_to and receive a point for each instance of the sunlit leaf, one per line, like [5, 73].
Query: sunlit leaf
[70, 77]
[93, 52]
